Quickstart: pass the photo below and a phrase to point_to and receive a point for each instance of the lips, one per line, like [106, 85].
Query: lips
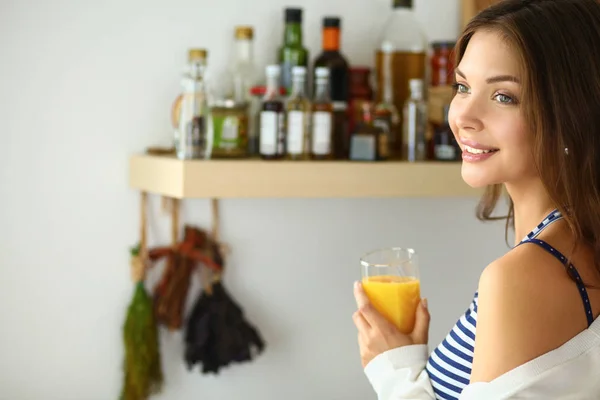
[474, 150]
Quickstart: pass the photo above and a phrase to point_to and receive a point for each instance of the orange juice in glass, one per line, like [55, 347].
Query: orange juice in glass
[390, 278]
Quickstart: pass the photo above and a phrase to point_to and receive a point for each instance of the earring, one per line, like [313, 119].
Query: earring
[566, 150]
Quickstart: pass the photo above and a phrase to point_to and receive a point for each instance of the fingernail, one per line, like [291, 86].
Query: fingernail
[356, 284]
[424, 303]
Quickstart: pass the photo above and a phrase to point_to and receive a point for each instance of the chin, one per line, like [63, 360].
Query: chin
[477, 176]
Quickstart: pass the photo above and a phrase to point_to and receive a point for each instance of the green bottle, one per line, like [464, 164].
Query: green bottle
[292, 53]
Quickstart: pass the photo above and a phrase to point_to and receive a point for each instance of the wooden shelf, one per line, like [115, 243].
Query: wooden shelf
[171, 177]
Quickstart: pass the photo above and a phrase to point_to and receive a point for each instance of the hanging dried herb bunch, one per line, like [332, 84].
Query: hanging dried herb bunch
[142, 364]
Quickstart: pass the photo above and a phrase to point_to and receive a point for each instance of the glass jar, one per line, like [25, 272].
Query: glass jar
[360, 91]
[230, 125]
[442, 63]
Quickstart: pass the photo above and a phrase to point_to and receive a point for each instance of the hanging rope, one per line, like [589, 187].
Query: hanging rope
[174, 222]
[138, 262]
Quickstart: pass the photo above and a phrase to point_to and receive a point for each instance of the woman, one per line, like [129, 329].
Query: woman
[526, 112]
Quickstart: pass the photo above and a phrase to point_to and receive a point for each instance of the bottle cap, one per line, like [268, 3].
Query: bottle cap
[322, 72]
[244, 32]
[298, 70]
[387, 47]
[416, 85]
[293, 15]
[331, 22]
[260, 90]
[402, 4]
[273, 70]
[197, 54]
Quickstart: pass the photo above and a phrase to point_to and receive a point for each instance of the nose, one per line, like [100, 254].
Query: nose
[465, 115]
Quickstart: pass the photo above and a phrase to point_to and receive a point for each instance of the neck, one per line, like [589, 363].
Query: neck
[244, 50]
[321, 91]
[292, 35]
[331, 39]
[531, 205]
[298, 88]
[388, 93]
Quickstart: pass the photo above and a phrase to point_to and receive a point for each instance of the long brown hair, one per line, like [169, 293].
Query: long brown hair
[558, 45]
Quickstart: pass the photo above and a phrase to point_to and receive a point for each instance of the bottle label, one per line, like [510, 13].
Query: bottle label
[295, 132]
[230, 132]
[193, 142]
[445, 152]
[321, 138]
[269, 132]
[384, 122]
[286, 75]
[339, 106]
[363, 147]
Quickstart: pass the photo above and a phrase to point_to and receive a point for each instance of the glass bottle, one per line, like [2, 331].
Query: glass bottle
[245, 74]
[272, 133]
[414, 124]
[360, 91]
[406, 36]
[445, 146]
[192, 136]
[364, 144]
[442, 63]
[332, 58]
[292, 53]
[298, 118]
[386, 113]
[322, 117]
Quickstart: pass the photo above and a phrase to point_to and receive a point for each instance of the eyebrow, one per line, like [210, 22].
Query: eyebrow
[493, 79]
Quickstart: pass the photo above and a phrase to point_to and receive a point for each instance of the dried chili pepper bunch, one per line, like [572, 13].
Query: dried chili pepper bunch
[217, 333]
[171, 293]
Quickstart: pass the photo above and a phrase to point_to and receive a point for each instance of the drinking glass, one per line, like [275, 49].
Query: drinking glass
[390, 278]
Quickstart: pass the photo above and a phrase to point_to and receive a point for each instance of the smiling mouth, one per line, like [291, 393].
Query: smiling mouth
[473, 150]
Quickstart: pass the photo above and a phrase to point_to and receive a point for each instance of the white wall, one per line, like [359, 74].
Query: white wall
[83, 85]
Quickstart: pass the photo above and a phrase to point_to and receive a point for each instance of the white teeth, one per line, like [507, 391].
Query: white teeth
[476, 151]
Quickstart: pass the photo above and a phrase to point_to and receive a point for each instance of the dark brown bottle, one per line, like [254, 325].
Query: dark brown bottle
[332, 59]
[272, 123]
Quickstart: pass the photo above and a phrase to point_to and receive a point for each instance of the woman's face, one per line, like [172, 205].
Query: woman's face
[485, 114]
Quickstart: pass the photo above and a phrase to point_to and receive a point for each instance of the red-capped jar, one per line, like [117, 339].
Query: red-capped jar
[359, 91]
[442, 63]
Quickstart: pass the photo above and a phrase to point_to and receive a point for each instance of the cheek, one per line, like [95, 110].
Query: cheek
[511, 133]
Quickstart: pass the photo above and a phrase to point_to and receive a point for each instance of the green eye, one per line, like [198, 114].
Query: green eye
[460, 88]
[504, 99]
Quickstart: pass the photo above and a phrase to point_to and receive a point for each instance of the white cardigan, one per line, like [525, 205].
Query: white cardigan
[570, 372]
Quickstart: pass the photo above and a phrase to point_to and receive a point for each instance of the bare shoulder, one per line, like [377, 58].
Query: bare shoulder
[527, 307]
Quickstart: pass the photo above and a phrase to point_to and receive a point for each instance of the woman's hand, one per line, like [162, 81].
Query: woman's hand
[377, 335]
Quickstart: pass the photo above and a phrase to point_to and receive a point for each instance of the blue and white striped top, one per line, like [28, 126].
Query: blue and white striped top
[450, 364]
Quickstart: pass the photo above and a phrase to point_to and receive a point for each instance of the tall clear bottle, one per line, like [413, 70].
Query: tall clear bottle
[272, 118]
[406, 36]
[322, 117]
[245, 76]
[245, 73]
[193, 134]
[386, 114]
[298, 118]
[414, 143]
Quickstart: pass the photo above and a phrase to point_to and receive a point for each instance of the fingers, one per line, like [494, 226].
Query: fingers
[360, 296]
[371, 315]
[361, 323]
[420, 333]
